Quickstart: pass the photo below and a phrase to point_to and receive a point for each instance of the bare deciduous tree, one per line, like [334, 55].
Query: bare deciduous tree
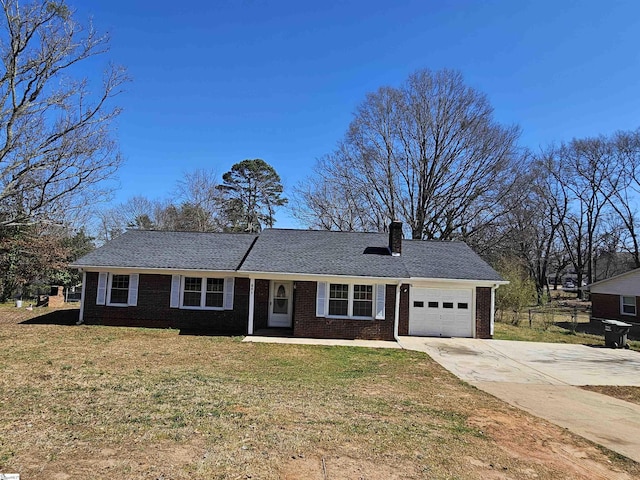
[201, 199]
[137, 212]
[322, 201]
[625, 187]
[588, 173]
[535, 212]
[428, 153]
[194, 206]
[55, 147]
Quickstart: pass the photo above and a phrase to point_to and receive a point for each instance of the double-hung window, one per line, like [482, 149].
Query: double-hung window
[192, 292]
[118, 290]
[215, 293]
[351, 300]
[338, 299]
[199, 292]
[363, 300]
[348, 300]
[628, 305]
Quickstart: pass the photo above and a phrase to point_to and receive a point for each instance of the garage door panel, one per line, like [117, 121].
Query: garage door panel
[440, 312]
[457, 326]
[424, 319]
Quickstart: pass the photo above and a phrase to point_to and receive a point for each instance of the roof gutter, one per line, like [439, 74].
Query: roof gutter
[281, 275]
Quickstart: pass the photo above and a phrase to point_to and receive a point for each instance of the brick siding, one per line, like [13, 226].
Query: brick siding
[403, 322]
[153, 308]
[483, 312]
[261, 305]
[395, 237]
[306, 324]
[607, 306]
[153, 311]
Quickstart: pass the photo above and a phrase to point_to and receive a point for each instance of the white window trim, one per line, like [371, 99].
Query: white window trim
[174, 296]
[321, 299]
[350, 301]
[622, 304]
[109, 282]
[203, 293]
[101, 294]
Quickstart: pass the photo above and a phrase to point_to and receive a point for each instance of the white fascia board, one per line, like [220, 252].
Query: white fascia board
[428, 282]
[154, 271]
[240, 274]
[388, 280]
[417, 281]
[317, 277]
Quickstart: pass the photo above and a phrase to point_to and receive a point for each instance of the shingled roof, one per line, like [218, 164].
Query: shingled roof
[309, 252]
[171, 250]
[323, 253]
[437, 259]
[362, 255]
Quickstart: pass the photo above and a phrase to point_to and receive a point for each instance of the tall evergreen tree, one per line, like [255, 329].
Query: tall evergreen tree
[252, 191]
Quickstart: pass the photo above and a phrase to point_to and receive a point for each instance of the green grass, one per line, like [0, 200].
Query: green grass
[553, 323]
[550, 334]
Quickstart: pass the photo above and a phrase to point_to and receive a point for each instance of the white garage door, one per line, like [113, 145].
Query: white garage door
[440, 313]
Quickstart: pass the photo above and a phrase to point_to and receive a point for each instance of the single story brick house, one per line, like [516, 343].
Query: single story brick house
[616, 298]
[319, 284]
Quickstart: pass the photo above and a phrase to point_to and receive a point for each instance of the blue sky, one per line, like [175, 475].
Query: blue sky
[216, 82]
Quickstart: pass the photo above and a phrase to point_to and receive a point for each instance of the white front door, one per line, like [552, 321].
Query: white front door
[280, 304]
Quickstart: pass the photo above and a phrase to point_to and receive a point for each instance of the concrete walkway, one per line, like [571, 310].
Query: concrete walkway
[322, 341]
[543, 379]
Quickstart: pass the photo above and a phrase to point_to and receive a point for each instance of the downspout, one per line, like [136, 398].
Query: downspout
[396, 316]
[252, 288]
[84, 285]
[493, 309]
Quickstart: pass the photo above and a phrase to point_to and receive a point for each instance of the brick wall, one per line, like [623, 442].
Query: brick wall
[306, 324]
[607, 306]
[153, 308]
[483, 312]
[261, 305]
[395, 237]
[153, 311]
[403, 322]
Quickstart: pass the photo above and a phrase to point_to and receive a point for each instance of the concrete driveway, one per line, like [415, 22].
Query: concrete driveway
[543, 379]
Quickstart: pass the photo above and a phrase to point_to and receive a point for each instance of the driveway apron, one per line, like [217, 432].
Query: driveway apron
[543, 379]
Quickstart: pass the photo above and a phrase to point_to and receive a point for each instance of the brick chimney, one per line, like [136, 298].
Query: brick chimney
[395, 238]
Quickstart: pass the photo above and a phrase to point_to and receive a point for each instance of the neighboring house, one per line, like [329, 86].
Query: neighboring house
[616, 298]
[319, 284]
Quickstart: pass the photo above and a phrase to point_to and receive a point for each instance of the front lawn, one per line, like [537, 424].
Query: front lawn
[82, 402]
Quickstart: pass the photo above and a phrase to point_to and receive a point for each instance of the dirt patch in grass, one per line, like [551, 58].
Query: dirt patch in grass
[628, 394]
[106, 402]
[538, 442]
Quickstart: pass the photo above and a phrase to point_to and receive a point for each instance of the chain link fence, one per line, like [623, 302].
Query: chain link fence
[566, 317]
